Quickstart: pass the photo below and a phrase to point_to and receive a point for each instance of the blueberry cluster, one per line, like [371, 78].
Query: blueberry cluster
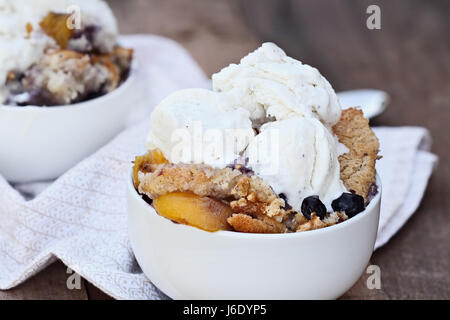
[350, 203]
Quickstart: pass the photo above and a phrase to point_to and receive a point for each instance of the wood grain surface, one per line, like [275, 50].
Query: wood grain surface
[409, 58]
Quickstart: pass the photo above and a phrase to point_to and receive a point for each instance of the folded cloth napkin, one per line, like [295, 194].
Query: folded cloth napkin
[404, 170]
[81, 217]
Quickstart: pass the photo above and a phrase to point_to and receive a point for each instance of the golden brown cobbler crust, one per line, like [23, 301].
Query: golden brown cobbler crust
[245, 194]
[357, 165]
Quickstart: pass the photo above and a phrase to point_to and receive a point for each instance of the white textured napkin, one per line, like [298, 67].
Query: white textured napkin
[404, 170]
[81, 217]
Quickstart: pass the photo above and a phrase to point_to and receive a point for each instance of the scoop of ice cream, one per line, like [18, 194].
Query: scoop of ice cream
[271, 84]
[23, 42]
[200, 126]
[290, 105]
[297, 157]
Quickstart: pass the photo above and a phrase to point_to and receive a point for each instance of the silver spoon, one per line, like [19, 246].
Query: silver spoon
[372, 102]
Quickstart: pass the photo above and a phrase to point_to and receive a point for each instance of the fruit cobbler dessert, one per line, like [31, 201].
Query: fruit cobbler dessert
[269, 150]
[58, 52]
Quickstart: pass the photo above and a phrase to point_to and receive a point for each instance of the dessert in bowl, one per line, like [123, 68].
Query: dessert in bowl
[64, 90]
[264, 174]
[188, 263]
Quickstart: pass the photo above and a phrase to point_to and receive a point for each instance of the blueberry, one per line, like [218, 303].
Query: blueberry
[35, 97]
[89, 33]
[147, 199]
[373, 190]
[350, 203]
[287, 206]
[313, 204]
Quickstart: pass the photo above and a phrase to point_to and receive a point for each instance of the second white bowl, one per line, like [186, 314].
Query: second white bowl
[41, 143]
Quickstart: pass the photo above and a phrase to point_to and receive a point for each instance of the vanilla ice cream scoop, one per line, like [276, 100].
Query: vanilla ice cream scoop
[200, 126]
[271, 84]
[297, 157]
[291, 109]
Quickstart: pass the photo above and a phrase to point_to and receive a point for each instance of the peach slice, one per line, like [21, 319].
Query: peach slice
[143, 163]
[55, 26]
[187, 208]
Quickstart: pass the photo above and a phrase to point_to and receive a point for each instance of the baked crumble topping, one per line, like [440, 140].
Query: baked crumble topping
[63, 77]
[358, 165]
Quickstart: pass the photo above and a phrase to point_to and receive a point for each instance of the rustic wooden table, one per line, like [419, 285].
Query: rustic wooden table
[409, 58]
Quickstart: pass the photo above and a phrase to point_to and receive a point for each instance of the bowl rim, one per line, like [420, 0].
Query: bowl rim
[224, 233]
[83, 104]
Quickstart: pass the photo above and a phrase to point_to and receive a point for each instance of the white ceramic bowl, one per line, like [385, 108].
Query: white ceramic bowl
[189, 263]
[41, 143]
